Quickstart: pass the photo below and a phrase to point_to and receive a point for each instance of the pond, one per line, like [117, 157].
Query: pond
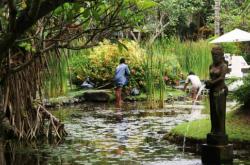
[101, 134]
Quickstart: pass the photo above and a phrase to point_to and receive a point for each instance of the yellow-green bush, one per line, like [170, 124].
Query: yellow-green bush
[163, 58]
[99, 63]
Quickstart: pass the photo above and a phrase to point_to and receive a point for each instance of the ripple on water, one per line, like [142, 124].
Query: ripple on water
[105, 136]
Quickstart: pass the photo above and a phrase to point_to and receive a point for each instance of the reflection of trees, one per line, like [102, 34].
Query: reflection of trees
[12, 153]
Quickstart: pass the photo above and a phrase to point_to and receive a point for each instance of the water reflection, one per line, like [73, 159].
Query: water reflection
[13, 153]
[120, 132]
[106, 135]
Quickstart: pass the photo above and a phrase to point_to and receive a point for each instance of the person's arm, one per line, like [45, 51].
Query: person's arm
[127, 71]
[186, 84]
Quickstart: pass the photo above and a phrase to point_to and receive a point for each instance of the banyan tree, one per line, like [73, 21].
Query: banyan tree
[34, 32]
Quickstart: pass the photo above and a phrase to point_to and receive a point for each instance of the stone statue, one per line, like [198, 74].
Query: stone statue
[218, 91]
[217, 150]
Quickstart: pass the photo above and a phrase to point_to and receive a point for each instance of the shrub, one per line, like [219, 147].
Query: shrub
[243, 93]
[99, 63]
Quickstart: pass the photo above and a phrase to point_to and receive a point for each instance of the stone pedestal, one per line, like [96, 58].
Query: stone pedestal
[217, 150]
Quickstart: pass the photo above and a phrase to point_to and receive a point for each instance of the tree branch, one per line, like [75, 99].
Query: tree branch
[84, 46]
[12, 14]
[23, 23]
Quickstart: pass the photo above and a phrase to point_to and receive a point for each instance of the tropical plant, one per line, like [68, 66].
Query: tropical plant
[56, 80]
[30, 32]
[243, 93]
[99, 63]
[160, 63]
[193, 56]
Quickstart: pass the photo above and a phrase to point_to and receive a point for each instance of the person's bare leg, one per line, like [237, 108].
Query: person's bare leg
[116, 96]
[193, 95]
[118, 91]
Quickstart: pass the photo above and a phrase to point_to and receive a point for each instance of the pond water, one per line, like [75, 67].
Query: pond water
[101, 134]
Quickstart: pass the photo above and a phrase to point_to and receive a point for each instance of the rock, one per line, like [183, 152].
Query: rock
[97, 95]
[181, 98]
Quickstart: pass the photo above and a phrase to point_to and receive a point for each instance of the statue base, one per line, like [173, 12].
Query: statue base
[217, 139]
[216, 154]
[217, 150]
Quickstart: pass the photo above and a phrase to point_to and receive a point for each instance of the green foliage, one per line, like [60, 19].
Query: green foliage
[161, 52]
[243, 93]
[232, 48]
[56, 79]
[233, 14]
[99, 63]
[92, 13]
[175, 14]
[145, 4]
[193, 56]
[79, 65]
[27, 46]
[196, 129]
[161, 67]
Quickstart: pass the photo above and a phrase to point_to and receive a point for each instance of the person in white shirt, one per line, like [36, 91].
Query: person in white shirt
[196, 84]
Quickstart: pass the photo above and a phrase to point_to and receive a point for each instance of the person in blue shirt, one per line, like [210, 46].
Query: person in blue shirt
[121, 79]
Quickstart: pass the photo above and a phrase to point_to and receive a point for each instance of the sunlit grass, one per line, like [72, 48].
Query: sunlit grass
[237, 128]
[193, 56]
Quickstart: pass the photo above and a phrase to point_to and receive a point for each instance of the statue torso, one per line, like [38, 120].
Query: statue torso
[218, 72]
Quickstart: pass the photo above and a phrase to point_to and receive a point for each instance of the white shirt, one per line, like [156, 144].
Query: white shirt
[196, 83]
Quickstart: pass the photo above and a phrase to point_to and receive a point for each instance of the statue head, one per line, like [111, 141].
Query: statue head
[217, 54]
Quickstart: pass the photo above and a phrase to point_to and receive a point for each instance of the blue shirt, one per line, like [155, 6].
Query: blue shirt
[121, 74]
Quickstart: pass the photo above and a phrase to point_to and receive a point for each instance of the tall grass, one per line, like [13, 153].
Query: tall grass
[173, 57]
[79, 64]
[155, 70]
[193, 56]
[56, 80]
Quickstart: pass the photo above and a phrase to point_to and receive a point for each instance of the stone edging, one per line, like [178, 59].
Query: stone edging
[178, 139]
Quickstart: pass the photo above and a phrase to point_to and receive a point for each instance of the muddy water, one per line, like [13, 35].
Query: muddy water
[101, 134]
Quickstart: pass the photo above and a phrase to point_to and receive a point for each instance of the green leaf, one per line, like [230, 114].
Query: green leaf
[96, 15]
[121, 46]
[27, 46]
[86, 13]
[145, 4]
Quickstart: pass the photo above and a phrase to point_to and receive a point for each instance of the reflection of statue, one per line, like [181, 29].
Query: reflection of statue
[218, 92]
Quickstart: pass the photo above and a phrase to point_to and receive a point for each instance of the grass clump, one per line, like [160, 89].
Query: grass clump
[237, 127]
[193, 56]
[197, 129]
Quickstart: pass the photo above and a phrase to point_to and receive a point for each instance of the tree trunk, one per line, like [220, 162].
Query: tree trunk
[217, 7]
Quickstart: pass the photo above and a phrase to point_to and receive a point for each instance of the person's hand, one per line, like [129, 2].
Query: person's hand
[165, 78]
[133, 71]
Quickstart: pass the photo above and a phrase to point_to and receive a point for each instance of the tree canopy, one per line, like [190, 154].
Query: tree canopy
[34, 30]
